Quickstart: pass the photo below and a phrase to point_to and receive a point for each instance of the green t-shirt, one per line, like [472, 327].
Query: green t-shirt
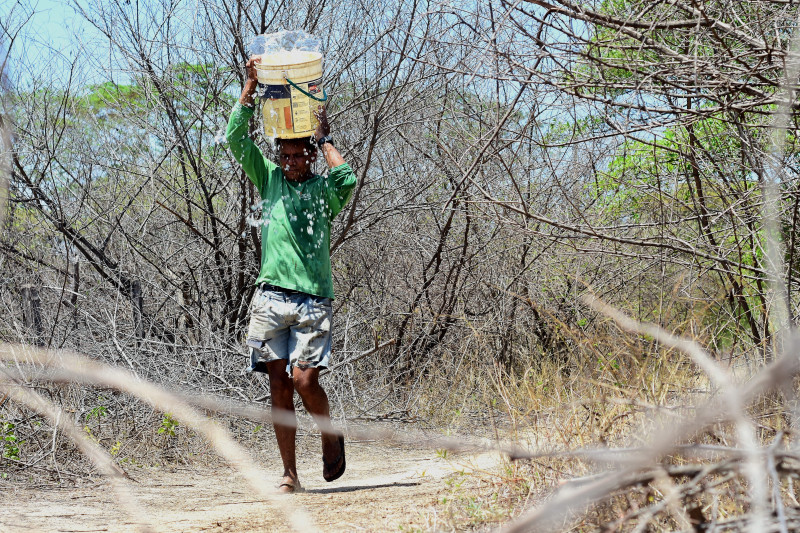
[296, 217]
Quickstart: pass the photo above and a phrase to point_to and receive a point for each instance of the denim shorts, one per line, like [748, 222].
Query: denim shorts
[289, 325]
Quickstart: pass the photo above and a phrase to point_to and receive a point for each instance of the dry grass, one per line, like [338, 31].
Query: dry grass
[645, 432]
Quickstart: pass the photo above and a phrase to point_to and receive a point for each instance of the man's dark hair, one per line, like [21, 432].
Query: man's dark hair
[310, 144]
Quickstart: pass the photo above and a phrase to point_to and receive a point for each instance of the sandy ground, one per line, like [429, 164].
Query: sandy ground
[384, 489]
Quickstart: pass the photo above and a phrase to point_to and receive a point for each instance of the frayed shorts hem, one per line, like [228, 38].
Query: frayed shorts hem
[295, 327]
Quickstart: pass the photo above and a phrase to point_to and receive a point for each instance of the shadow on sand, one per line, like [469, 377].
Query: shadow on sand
[355, 488]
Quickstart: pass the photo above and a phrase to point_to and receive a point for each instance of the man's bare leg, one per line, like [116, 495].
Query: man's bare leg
[282, 391]
[306, 383]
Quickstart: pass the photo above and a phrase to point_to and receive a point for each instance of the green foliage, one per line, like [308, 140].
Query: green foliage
[99, 96]
[90, 434]
[642, 168]
[611, 60]
[614, 64]
[9, 441]
[665, 174]
[637, 165]
[115, 449]
[97, 412]
[194, 75]
[168, 425]
[564, 132]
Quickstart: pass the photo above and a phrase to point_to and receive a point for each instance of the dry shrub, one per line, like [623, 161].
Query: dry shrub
[594, 420]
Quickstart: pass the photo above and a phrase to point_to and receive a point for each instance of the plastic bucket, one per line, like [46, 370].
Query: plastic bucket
[291, 85]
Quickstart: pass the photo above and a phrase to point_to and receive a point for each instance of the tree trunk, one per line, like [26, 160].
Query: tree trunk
[32, 314]
[137, 304]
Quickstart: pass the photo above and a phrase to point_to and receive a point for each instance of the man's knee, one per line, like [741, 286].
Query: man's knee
[306, 380]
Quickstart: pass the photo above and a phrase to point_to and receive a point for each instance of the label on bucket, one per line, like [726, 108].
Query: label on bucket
[303, 106]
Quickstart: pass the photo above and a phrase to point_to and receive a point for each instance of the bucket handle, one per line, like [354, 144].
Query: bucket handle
[324, 93]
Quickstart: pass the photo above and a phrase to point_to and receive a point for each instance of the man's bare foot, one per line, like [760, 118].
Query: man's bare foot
[289, 485]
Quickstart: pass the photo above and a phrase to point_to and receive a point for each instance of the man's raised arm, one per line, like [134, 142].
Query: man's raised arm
[242, 146]
[323, 133]
[341, 176]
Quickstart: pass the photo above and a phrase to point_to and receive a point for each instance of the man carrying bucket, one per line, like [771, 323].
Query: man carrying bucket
[290, 326]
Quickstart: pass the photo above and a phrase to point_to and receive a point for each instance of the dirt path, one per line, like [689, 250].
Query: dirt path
[384, 489]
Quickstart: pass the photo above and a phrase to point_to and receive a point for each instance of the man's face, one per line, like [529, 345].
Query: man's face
[296, 158]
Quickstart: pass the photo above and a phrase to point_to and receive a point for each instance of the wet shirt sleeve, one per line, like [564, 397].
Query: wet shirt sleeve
[341, 182]
[255, 165]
